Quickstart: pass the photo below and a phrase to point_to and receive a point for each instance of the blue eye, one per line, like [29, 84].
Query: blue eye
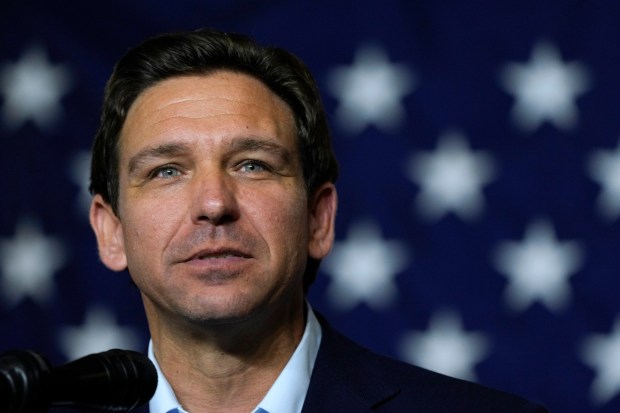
[253, 166]
[167, 172]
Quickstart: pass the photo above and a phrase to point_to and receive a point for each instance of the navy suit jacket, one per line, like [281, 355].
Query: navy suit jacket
[349, 378]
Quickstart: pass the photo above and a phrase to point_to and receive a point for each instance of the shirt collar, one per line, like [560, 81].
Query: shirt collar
[288, 392]
[164, 399]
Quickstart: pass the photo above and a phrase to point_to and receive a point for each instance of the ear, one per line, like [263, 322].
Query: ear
[322, 219]
[109, 233]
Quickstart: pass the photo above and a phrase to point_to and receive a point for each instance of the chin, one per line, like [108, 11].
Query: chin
[221, 311]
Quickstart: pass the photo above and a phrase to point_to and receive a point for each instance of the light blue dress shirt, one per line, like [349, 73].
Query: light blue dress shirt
[286, 395]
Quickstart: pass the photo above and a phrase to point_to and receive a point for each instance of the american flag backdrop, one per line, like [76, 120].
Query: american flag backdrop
[478, 231]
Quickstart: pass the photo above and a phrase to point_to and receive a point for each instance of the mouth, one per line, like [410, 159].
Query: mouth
[218, 255]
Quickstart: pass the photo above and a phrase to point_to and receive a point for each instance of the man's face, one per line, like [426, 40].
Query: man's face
[214, 222]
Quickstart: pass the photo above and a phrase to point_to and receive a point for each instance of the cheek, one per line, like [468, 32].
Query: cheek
[283, 222]
[147, 231]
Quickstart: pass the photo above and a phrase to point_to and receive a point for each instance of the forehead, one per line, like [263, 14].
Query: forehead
[218, 103]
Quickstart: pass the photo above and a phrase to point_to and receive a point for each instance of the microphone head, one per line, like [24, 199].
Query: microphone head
[24, 377]
[112, 381]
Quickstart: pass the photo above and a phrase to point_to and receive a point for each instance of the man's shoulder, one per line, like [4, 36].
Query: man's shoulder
[361, 373]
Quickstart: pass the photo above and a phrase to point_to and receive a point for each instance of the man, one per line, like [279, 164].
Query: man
[213, 180]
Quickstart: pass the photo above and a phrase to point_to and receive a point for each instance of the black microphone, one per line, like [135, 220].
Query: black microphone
[112, 381]
[24, 381]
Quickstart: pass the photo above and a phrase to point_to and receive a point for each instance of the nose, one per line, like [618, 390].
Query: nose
[214, 199]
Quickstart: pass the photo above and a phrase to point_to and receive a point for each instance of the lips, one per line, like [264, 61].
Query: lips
[221, 253]
[215, 266]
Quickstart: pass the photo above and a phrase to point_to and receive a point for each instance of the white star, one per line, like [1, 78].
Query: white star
[538, 268]
[602, 353]
[370, 91]
[363, 268]
[604, 168]
[445, 347]
[80, 175]
[32, 90]
[545, 89]
[451, 178]
[28, 263]
[100, 332]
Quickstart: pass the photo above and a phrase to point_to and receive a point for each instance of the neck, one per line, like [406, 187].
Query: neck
[226, 367]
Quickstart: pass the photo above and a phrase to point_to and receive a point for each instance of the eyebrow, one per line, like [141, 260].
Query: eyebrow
[238, 145]
[160, 151]
[259, 144]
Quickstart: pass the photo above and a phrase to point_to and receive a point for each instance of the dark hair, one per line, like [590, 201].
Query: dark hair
[203, 52]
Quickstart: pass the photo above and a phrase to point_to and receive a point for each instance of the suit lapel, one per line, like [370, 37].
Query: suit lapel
[346, 377]
[328, 393]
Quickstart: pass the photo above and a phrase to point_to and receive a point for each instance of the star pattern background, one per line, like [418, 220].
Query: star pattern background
[478, 229]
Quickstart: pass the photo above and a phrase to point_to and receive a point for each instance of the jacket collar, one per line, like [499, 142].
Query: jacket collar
[346, 376]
